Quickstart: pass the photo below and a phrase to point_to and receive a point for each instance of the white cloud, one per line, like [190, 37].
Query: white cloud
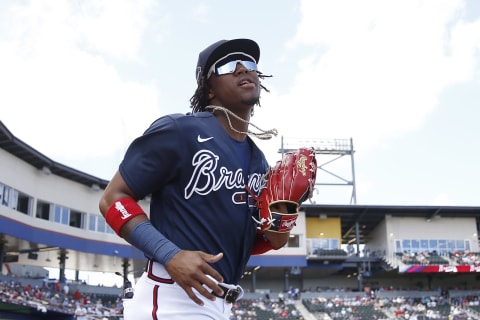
[200, 12]
[113, 27]
[74, 101]
[442, 199]
[373, 71]
[379, 67]
[368, 70]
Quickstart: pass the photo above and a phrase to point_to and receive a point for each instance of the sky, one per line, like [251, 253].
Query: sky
[80, 79]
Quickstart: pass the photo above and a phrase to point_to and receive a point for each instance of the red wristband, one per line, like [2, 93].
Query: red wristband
[122, 211]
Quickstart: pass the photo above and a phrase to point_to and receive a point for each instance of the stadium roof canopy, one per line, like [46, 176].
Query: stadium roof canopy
[23, 151]
[367, 217]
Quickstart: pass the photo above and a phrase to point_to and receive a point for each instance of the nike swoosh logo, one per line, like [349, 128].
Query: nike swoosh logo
[200, 139]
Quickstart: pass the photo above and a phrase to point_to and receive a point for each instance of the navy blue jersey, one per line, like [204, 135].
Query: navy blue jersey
[196, 177]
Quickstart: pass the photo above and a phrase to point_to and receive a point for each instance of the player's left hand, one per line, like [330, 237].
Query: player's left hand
[277, 239]
[191, 270]
[289, 183]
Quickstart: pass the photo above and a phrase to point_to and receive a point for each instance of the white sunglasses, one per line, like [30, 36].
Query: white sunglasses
[230, 66]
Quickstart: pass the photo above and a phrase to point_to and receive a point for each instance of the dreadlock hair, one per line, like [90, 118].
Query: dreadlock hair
[199, 100]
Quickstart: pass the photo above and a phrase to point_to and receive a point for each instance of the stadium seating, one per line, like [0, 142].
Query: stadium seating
[265, 309]
[330, 252]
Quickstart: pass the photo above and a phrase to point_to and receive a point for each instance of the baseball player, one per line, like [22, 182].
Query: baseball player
[203, 172]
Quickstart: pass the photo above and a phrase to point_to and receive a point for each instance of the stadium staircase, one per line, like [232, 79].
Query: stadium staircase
[306, 314]
[387, 264]
[473, 312]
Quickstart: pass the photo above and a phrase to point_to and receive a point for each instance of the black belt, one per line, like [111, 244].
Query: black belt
[230, 295]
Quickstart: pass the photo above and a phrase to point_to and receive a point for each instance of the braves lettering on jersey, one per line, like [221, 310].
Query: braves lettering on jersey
[198, 174]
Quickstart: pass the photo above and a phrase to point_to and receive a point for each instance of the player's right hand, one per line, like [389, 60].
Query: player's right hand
[191, 270]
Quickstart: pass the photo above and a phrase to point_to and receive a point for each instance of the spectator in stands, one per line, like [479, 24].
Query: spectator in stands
[55, 300]
[66, 289]
[77, 295]
[81, 312]
[421, 258]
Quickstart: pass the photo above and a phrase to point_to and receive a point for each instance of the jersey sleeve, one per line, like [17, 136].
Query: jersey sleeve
[152, 159]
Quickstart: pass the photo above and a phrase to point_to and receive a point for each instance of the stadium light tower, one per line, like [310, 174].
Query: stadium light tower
[329, 153]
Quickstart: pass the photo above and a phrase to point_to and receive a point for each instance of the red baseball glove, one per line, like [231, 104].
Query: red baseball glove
[289, 183]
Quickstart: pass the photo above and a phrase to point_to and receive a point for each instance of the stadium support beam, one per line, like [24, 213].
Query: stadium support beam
[62, 258]
[355, 228]
[433, 215]
[3, 242]
[359, 264]
[125, 265]
[328, 152]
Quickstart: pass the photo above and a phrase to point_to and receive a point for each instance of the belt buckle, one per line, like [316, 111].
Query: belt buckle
[231, 295]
